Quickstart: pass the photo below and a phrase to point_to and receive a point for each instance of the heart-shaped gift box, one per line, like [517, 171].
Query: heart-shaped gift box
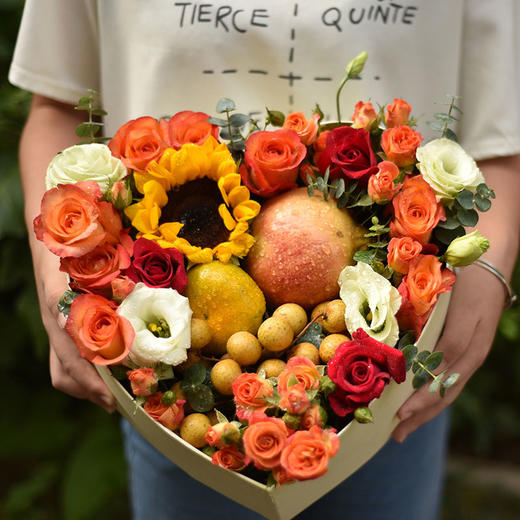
[358, 443]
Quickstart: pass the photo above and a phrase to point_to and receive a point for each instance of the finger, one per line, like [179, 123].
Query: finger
[72, 373]
[61, 380]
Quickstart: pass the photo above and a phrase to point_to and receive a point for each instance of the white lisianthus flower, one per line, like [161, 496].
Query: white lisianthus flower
[149, 308]
[371, 303]
[85, 162]
[447, 168]
[466, 249]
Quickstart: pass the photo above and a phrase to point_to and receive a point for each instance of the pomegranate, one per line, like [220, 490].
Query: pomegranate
[302, 244]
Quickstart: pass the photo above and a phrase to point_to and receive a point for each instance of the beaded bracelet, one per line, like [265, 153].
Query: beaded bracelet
[488, 266]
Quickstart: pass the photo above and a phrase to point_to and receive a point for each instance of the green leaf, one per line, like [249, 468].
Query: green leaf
[225, 105]
[319, 111]
[409, 352]
[209, 450]
[314, 334]
[436, 383]
[239, 120]
[445, 118]
[339, 187]
[195, 375]
[435, 125]
[217, 121]
[449, 223]
[364, 200]
[221, 418]
[465, 199]
[119, 372]
[66, 301]
[421, 378]
[408, 338]
[446, 236]
[451, 135]
[310, 190]
[467, 217]
[200, 398]
[85, 100]
[366, 257]
[450, 380]
[482, 204]
[483, 190]
[423, 355]
[99, 112]
[433, 361]
[234, 135]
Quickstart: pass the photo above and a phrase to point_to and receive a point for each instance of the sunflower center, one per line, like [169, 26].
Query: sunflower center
[195, 204]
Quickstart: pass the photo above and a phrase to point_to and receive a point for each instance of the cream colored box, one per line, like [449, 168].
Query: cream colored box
[358, 443]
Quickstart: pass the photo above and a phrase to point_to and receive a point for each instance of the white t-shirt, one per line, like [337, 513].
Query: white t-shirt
[156, 57]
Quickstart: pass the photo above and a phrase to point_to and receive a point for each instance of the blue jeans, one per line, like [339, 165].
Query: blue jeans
[402, 481]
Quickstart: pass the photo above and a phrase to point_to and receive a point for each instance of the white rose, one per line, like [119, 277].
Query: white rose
[447, 168]
[85, 162]
[145, 306]
[371, 303]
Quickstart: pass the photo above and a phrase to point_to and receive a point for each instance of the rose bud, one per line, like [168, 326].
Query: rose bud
[314, 416]
[397, 114]
[295, 399]
[143, 381]
[168, 397]
[364, 116]
[120, 195]
[363, 415]
[291, 421]
[307, 129]
[401, 251]
[223, 434]
[466, 249]
[122, 286]
[381, 186]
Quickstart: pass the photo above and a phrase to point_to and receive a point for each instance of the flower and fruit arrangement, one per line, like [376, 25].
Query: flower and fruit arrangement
[256, 284]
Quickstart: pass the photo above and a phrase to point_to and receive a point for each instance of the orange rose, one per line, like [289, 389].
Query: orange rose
[121, 287]
[425, 281]
[307, 129]
[399, 144]
[95, 271]
[154, 406]
[140, 141]
[294, 400]
[101, 335]
[73, 221]
[315, 415]
[397, 114]
[303, 369]
[143, 381]
[222, 434]
[264, 441]
[271, 161]
[416, 211]
[381, 186]
[306, 454]
[190, 127]
[401, 251]
[172, 417]
[250, 391]
[364, 115]
[319, 145]
[229, 458]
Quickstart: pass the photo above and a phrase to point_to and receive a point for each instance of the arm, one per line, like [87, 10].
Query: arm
[478, 297]
[49, 129]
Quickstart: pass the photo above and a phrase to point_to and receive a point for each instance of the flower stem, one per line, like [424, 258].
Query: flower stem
[340, 88]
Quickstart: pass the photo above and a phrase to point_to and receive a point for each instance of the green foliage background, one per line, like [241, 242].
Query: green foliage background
[62, 458]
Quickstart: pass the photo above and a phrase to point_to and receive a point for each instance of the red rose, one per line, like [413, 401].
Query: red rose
[348, 154]
[272, 159]
[157, 267]
[361, 368]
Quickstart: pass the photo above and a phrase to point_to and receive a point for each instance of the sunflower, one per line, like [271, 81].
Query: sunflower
[193, 200]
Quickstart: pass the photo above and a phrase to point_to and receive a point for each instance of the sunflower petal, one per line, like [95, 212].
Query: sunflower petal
[246, 210]
[226, 217]
[238, 195]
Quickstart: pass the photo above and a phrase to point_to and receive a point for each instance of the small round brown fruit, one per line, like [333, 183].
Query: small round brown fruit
[223, 374]
[275, 334]
[194, 428]
[334, 320]
[272, 367]
[319, 309]
[200, 333]
[329, 345]
[306, 350]
[295, 314]
[244, 348]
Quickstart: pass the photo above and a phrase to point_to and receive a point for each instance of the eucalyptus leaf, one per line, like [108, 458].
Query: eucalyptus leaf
[66, 301]
[239, 120]
[465, 199]
[234, 135]
[423, 355]
[467, 217]
[366, 257]
[201, 398]
[445, 118]
[217, 121]
[446, 236]
[409, 352]
[449, 223]
[225, 105]
[339, 186]
[433, 360]
[314, 334]
[482, 204]
[408, 338]
[99, 112]
[364, 200]
[451, 380]
[310, 190]
[451, 135]
[435, 125]
[84, 100]
[421, 378]
[436, 383]
[221, 418]
[195, 375]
